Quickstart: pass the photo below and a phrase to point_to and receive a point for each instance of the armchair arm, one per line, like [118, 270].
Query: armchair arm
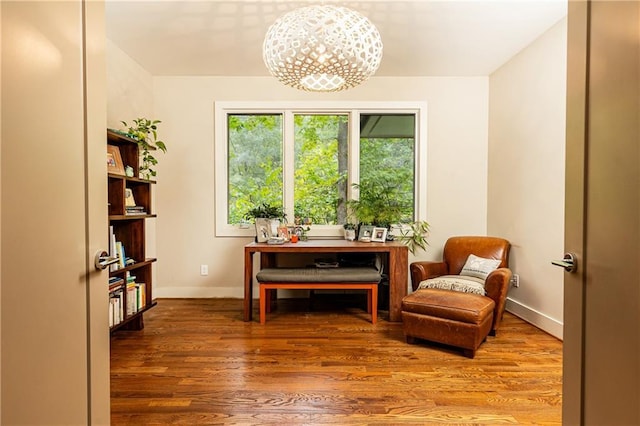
[496, 287]
[424, 270]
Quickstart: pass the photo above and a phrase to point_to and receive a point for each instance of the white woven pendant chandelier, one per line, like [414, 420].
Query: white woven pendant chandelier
[322, 48]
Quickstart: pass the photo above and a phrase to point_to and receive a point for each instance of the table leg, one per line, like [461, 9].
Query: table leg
[374, 303]
[248, 284]
[398, 266]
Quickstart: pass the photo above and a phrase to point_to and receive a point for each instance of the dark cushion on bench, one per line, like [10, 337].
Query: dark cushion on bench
[319, 275]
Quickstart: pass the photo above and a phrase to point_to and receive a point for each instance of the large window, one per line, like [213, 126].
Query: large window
[312, 160]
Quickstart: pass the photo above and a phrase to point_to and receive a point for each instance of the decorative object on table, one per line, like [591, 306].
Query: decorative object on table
[303, 233]
[267, 218]
[114, 160]
[263, 229]
[365, 233]
[283, 232]
[379, 235]
[276, 240]
[322, 48]
[145, 132]
[349, 231]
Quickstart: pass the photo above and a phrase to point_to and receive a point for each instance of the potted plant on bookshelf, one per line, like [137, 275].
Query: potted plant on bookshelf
[145, 132]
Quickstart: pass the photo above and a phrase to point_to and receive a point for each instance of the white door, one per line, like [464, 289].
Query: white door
[54, 329]
[602, 225]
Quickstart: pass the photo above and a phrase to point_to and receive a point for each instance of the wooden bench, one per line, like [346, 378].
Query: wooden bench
[350, 278]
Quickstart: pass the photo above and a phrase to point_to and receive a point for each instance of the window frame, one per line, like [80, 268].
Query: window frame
[288, 110]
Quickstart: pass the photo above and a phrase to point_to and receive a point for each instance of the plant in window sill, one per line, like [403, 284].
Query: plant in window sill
[145, 132]
[378, 204]
[303, 233]
[266, 211]
[349, 231]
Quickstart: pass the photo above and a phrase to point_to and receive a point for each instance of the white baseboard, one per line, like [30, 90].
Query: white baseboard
[200, 292]
[540, 320]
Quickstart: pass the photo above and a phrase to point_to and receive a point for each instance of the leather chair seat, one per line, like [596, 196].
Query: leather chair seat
[451, 305]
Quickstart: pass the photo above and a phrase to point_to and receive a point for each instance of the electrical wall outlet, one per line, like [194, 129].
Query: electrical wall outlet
[204, 270]
[515, 280]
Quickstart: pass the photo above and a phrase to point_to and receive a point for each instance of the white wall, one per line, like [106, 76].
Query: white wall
[129, 88]
[457, 168]
[526, 173]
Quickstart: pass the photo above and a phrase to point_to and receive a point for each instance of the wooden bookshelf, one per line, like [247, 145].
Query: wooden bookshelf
[133, 295]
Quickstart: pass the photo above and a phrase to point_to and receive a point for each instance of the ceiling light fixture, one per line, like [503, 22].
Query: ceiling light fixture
[322, 48]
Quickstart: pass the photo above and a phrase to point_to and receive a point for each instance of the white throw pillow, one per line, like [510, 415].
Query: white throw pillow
[455, 283]
[479, 266]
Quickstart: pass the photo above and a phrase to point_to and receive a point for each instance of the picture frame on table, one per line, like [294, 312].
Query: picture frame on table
[114, 160]
[365, 233]
[283, 232]
[263, 230]
[379, 235]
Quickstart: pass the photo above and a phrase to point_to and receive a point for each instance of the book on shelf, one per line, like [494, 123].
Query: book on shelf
[116, 308]
[112, 248]
[115, 283]
[136, 297]
[120, 251]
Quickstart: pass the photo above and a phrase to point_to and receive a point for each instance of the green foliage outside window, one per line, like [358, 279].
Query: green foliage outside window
[319, 182]
[254, 163]
[255, 169]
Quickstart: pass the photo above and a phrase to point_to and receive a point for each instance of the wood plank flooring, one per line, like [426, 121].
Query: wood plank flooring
[197, 363]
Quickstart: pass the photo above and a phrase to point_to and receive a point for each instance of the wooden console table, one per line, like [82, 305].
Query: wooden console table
[397, 265]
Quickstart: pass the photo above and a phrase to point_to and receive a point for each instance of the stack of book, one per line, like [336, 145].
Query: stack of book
[134, 210]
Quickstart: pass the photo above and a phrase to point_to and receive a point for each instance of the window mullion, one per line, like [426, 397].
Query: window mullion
[354, 154]
[288, 163]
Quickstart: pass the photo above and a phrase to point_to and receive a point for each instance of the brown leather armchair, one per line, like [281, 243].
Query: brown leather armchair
[454, 318]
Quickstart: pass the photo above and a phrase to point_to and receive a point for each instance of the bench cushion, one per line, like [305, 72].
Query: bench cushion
[319, 275]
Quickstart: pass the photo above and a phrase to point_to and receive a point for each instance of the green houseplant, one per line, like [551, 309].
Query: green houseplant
[349, 231]
[145, 132]
[266, 211]
[379, 204]
[415, 236]
[382, 204]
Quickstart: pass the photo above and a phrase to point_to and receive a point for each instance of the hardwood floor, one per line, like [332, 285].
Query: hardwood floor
[197, 363]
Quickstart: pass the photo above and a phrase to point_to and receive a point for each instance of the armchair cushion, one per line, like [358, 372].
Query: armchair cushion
[479, 267]
[460, 283]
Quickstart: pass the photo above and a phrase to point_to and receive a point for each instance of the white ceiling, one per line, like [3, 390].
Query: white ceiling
[420, 37]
